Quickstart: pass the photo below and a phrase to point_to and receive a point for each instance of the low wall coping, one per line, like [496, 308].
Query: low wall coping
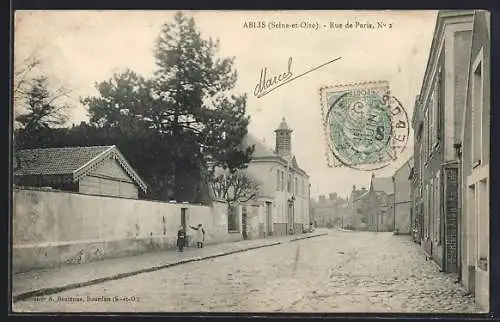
[57, 191]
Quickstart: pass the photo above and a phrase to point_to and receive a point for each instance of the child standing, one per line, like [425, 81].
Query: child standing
[181, 238]
[200, 235]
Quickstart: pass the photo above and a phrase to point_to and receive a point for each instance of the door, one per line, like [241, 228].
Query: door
[184, 223]
[269, 219]
[290, 218]
[244, 222]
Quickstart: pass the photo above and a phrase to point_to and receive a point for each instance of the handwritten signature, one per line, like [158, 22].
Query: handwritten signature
[267, 85]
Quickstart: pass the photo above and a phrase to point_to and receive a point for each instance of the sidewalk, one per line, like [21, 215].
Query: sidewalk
[53, 280]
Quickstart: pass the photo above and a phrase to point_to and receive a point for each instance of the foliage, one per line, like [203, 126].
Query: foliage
[22, 76]
[43, 114]
[185, 111]
[169, 126]
[42, 107]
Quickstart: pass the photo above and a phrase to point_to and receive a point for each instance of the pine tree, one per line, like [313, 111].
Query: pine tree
[187, 109]
[43, 115]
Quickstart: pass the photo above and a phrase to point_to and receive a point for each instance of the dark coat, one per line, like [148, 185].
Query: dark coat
[180, 237]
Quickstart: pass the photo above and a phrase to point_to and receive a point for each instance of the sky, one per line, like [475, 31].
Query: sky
[79, 48]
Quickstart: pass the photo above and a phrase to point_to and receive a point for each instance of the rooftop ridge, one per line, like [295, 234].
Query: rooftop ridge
[68, 148]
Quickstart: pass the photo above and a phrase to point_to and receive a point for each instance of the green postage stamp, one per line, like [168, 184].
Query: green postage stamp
[365, 127]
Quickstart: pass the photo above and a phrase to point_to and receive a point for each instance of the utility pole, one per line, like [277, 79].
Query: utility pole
[394, 204]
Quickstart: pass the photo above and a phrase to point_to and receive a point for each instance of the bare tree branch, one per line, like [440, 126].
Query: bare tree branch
[235, 187]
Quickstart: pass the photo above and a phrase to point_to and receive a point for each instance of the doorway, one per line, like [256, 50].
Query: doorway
[291, 221]
[244, 221]
[269, 219]
[184, 223]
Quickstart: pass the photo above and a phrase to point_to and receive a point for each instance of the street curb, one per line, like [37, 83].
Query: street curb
[300, 238]
[58, 289]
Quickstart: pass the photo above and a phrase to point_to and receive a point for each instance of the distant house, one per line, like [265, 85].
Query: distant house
[98, 170]
[374, 207]
[383, 188]
[330, 212]
[356, 207]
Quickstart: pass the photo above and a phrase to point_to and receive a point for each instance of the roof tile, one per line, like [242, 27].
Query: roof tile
[55, 161]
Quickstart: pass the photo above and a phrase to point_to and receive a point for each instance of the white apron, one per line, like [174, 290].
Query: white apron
[199, 236]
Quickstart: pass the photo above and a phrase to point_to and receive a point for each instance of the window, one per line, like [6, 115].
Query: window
[296, 189]
[471, 225]
[432, 121]
[437, 207]
[434, 105]
[426, 212]
[278, 183]
[232, 219]
[289, 183]
[427, 135]
[432, 214]
[421, 178]
[483, 224]
[439, 104]
[477, 96]
[282, 180]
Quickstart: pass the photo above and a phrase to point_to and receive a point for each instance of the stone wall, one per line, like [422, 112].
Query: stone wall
[53, 227]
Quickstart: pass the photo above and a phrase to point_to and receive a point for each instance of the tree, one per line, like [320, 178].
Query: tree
[235, 187]
[42, 108]
[126, 95]
[188, 102]
[22, 71]
[43, 116]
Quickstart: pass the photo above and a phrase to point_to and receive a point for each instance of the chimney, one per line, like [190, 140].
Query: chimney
[283, 139]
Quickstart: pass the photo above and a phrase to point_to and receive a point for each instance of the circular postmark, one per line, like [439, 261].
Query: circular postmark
[367, 128]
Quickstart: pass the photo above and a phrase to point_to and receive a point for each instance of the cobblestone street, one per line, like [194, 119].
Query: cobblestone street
[341, 272]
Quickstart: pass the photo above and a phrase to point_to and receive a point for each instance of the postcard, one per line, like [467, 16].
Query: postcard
[251, 161]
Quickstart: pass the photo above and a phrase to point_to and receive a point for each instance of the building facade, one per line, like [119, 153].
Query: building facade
[416, 177]
[97, 170]
[402, 207]
[330, 212]
[474, 153]
[355, 205]
[373, 209]
[437, 124]
[282, 205]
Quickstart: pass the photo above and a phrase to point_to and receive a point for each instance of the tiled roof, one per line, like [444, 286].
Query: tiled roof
[55, 161]
[283, 126]
[362, 195]
[76, 161]
[261, 149]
